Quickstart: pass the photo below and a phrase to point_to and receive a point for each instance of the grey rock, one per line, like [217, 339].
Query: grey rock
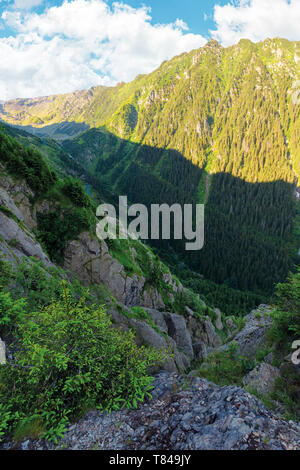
[253, 336]
[218, 322]
[7, 201]
[202, 329]
[230, 323]
[145, 335]
[189, 311]
[262, 378]
[200, 351]
[20, 242]
[158, 318]
[178, 331]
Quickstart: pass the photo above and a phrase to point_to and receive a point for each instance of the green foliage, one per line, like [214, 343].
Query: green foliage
[5, 272]
[41, 284]
[286, 392]
[190, 299]
[25, 163]
[74, 190]
[226, 367]
[286, 316]
[56, 228]
[11, 311]
[69, 358]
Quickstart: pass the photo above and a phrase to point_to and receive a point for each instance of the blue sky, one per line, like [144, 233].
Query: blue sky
[49, 47]
[198, 14]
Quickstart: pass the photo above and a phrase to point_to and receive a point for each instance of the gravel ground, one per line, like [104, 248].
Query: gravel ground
[183, 414]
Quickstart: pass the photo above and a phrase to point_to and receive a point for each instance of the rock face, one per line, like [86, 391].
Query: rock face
[90, 260]
[173, 335]
[18, 242]
[203, 330]
[200, 416]
[16, 197]
[178, 331]
[2, 352]
[147, 335]
[262, 378]
[253, 336]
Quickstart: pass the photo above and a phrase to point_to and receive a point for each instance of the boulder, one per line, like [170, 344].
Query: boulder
[253, 336]
[202, 329]
[189, 311]
[21, 243]
[146, 335]
[177, 329]
[158, 318]
[230, 324]
[262, 378]
[218, 321]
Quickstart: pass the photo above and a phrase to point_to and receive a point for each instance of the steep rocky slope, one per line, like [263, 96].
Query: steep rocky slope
[91, 262]
[184, 414]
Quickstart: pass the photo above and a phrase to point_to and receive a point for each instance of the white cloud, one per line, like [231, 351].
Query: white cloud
[26, 4]
[83, 43]
[257, 20]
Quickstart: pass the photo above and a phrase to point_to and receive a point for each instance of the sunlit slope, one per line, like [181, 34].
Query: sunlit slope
[235, 102]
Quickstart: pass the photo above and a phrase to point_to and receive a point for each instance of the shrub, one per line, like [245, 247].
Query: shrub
[74, 190]
[26, 163]
[286, 316]
[226, 367]
[55, 229]
[11, 311]
[69, 358]
[5, 273]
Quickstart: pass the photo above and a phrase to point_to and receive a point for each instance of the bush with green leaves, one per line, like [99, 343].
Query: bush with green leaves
[26, 163]
[226, 367]
[5, 272]
[75, 191]
[286, 316]
[70, 359]
[41, 284]
[56, 228]
[11, 311]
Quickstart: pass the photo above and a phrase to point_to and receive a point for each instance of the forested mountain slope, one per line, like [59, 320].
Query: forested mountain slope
[215, 125]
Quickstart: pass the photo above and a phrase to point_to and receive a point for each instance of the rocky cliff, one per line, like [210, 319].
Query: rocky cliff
[185, 337]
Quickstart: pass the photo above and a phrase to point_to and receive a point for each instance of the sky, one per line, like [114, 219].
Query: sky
[59, 46]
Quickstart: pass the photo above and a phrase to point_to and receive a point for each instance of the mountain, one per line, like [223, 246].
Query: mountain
[77, 316]
[217, 126]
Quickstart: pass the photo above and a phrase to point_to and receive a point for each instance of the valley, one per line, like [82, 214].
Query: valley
[215, 126]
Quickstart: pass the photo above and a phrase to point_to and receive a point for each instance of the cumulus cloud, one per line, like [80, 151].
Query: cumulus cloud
[257, 20]
[83, 43]
[26, 4]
